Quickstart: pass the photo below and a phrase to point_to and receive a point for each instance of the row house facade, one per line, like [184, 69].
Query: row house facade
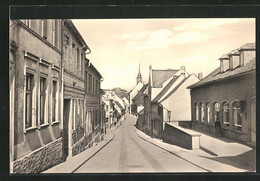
[95, 121]
[48, 95]
[228, 95]
[73, 60]
[35, 95]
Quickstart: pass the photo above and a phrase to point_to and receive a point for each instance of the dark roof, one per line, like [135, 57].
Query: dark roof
[119, 105]
[174, 90]
[90, 64]
[160, 76]
[248, 46]
[216, 75]
[166, 88]
[137, 96]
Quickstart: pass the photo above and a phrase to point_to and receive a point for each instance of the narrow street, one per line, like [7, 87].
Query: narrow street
[127, 152]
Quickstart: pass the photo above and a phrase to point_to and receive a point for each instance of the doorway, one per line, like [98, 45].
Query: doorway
[65, 140]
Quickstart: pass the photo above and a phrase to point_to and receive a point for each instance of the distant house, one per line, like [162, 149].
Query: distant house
[228, 94]
[135, 90]
[138, 100]
[126, 103]
[168, 99]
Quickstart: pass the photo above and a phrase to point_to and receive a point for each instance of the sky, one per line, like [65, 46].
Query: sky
[119, 45]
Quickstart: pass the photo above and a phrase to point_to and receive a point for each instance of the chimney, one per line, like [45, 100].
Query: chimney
[183, 68]
[200, 75]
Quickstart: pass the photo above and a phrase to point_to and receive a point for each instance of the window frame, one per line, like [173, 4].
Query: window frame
[239, 126]
[225, 122]
[201, 112]
[208, 112]
[43, 93]
[214, 111]
[56, 101]
[197, 115]
[33, 103]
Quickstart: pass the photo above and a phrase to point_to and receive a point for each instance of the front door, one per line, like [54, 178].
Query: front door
[253, 120]
[65, 142]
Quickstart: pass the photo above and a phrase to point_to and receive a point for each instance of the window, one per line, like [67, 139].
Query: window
[82, 64]
[28, 100]
[42, 100]
[202, 112]
[93, 86]
[237, 114]
[54, 32]
[81, 113]
[86, 81]
[54, 100]
[97, 87]
[208, 112]
[196, 111]
[225, 113]
[74, 112]
[44, 28]
[215, 111]
[78, 60]
[89, 83]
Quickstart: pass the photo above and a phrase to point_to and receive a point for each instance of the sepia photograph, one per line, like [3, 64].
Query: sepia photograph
[132, 95]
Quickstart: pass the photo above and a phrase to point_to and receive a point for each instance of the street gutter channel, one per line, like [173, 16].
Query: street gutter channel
[93, 154]
[173, 153]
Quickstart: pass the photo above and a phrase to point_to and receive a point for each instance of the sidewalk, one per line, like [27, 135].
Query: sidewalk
[214, 156]
[71, 164]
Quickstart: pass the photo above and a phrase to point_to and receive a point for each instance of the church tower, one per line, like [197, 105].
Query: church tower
[139, 76]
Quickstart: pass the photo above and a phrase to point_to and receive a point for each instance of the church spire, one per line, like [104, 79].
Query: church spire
[139, 76]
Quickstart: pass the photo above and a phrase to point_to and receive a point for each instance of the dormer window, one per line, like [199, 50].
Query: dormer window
[234, 60]
[224, 64]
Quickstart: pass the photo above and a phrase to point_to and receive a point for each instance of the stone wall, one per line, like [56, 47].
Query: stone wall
[185, 124]
[41, 159]
[181, 137]
[85, 143]
[203, 127]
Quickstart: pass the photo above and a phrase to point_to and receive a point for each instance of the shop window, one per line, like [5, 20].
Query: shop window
[225, 113]
[202, 118]
[237, 114]
[28, 100]
[196, 111]
[208, 112]
[215, 111]
[43, 118]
